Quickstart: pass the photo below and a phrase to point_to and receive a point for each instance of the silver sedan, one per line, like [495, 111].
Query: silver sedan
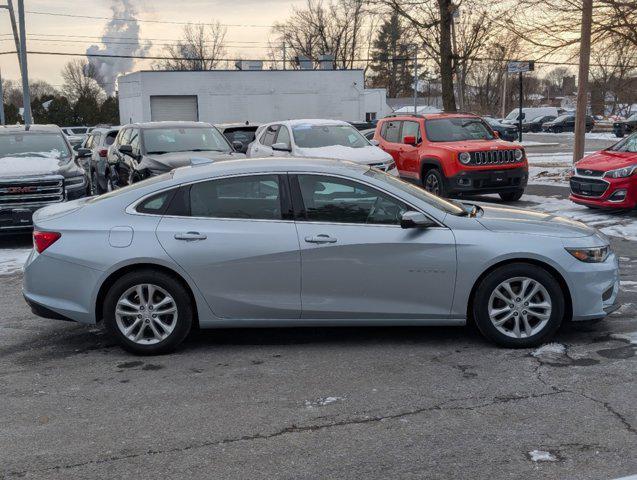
[299, 242]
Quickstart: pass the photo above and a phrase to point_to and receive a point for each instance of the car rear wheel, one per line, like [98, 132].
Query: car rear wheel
[518, 305]
[511, 196]
[148, 312]
[557, 129]
[434, 183]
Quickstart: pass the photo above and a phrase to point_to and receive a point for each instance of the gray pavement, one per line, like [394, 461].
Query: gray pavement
[564, 142]
[374, 403]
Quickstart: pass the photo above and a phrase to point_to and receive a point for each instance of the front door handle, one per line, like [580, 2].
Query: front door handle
[322, 238]
[190, 236]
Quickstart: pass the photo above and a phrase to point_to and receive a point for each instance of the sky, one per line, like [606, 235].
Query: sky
[67, 34]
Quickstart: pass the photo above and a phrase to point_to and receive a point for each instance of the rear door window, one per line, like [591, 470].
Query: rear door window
[269, 135]
[411, 129]
[391, 131]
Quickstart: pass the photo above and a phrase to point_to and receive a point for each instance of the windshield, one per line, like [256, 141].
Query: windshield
[457, 129]
[561, 118]
[34, 145]
[632, 117]
[187, 139]
[513, 114]
[628, 144]
[453, 208]
[317, 136]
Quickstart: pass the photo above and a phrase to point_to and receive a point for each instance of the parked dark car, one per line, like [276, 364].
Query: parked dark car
[240, 135]
[505, 132]
[93, 157]
[38, 167]
[143, 150]
[535, 124]
[625, 127]
[368, 133]
[566, 123]
[360, 125]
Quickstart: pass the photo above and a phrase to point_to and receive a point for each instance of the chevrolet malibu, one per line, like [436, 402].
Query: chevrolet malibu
[306, 242]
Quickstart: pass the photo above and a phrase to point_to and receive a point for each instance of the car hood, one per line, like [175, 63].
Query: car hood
[35, 165]
[474, 145]
[516, 220]
[169, 161]
[607, 160]
[365, 155]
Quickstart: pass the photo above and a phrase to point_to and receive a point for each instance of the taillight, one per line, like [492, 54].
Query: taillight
[43, 240]
[103, 152]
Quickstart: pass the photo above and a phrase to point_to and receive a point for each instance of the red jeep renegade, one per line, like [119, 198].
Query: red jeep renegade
[453, 154]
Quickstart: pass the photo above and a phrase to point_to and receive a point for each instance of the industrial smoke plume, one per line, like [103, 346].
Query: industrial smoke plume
[121, 38]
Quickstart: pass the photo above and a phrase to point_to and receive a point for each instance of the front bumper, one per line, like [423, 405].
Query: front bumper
[474, 182]
[607, 193]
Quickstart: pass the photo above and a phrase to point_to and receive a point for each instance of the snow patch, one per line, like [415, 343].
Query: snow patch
[35, 165]
[630, 337]
[542, 456]
[549, 350]
[628, 285]
[321, 402]
[12, 260]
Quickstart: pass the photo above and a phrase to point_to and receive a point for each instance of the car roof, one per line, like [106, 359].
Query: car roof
[428, 116]
[35, 128]
[168, 124]
[106, 129]
[309, 121]
[269, 164]
[225, 126]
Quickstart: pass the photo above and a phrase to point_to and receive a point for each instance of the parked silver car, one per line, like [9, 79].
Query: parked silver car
[289, 242]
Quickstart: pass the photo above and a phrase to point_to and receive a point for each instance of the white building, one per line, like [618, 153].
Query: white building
[258, 96]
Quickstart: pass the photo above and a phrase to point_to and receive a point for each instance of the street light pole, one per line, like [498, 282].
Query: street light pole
[2, 119]
[415, 79]
[26, 96]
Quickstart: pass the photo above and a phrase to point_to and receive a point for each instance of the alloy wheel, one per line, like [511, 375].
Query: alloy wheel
[520, 307]
[146, 314]
[432, 184]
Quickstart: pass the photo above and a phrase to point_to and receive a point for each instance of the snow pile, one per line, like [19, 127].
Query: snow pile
[555, 350]
[542, 456]
[321, 402]
[12, 259]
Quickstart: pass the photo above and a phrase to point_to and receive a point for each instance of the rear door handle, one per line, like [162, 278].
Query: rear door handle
[322, 238]
[190, 236]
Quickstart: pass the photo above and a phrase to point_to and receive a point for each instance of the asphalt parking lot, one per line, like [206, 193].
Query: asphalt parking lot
[433, 403]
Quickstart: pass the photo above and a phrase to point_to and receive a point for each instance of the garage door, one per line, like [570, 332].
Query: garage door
[173, 107]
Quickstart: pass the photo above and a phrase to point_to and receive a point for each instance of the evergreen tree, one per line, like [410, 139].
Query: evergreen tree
[109, 111]
[391, 66]
[11, 114]
[86, 110]
[60, 112]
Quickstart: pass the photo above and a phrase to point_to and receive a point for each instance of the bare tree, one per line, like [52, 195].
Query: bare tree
[613, 70]
[201, 48]
[81, 80]
[336, 28]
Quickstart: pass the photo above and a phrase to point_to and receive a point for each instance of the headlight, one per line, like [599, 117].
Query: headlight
[621, 172]
[590, 255]
[519, 154]
[74, 182]
[464, 157]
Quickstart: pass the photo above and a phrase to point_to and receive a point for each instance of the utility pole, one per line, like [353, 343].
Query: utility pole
[284, 54]
[582, 88]
[520, 112]
[415, 79]
[14, 28]
[455, 14]
[26, 96]
[2, 119]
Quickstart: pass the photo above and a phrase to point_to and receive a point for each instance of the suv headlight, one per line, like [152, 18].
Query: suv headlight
[622, 172]
[590, 255]
[464, 157]
[519, 154]
[74, 182]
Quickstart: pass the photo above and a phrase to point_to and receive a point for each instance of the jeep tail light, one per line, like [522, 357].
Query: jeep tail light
[103, 152]
[43, 240]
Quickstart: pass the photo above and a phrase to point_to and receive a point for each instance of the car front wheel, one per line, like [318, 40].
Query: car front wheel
[434, 183]
[148, 312]
[512, 196]
[518, 305]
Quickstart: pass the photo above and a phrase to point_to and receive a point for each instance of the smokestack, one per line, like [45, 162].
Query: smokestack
[126, 36]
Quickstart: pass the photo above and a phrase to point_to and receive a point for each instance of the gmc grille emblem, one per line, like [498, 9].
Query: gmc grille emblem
[21, 189]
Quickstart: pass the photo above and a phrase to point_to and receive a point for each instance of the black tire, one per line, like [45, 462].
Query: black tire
[558, 129]
[178, 292]
[434, 182]
[512, 196]
[96, 189]
[487, 286]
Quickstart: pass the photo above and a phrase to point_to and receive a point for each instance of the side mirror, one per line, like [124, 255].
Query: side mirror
[409, 140]
[281, 147]
[84, 152]
[126, 150]
[237, 145]
[374, 142]
[413, 219]
[496, 134]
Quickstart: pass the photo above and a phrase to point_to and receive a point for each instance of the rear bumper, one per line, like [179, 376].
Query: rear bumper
[472, 182]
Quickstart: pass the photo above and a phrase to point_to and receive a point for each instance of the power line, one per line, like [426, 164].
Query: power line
[121, 19]
[56, 40]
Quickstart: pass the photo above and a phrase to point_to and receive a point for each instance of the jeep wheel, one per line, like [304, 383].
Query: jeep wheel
[434, 183]
[512, 196]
